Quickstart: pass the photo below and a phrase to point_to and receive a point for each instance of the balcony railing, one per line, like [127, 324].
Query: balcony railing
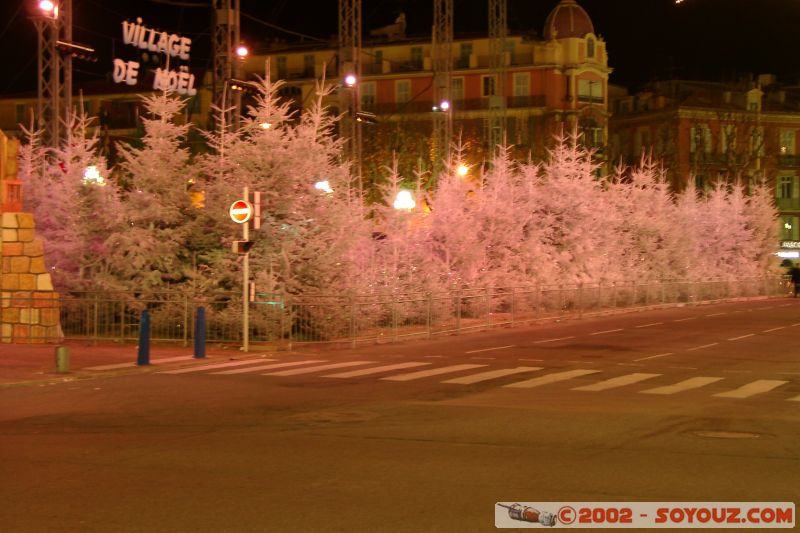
[788, 204]
[789, 160]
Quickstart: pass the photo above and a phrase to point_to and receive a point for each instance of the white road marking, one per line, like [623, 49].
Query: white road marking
[550, 378]
[269, 367]
[375, 370]
[741, 337]
[606, 331]
[773, 329]
[758, 386]
[532, 360]
[133, 363]
[648, 325]
[310, 369]
[554, 340]
[717, 314]
[212, 367]
[795, 399]
[684, 319]
[701, 347]
[619, 381]
[432, 372]
[581, 362]
[785, 305]
[490, 349]
[687, 384]
[794, 325]
[492, 374]
[434, 356]
[653, 356]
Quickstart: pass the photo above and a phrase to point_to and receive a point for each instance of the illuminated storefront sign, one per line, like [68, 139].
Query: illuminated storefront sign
[172, 45]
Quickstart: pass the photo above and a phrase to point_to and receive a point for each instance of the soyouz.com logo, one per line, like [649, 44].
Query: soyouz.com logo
[653, 515]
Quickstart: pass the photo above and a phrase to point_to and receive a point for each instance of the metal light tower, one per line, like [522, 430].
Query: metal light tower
[53, 22]
[349, 80]
[226, 63]
[498, 33]
[442, 63]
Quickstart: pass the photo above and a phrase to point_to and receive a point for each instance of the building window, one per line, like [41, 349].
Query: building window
[790, 229]
[589, 47]
[786, 187]
[522, 84]
[368, 95]
[510, 49]
[20, 110]
[457, 89]
[787, 142]
[402, 91]
[590, 91]
[727, 138]
[282, 70]
[465, 51]
[308, 66]
[378, 58]
[416, 57]
[487, 86]
[700, 139]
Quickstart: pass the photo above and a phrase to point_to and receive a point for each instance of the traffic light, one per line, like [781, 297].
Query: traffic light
[78, 51]
[241, 247]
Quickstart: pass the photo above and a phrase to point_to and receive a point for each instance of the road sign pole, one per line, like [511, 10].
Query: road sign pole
[246, 283]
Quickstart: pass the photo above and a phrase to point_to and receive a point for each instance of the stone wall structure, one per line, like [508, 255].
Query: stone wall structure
[30, 306]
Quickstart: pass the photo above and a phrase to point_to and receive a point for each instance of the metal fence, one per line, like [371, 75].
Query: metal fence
[276, 318]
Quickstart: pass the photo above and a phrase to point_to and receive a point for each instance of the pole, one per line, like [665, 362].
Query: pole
[200, 333]
[246, 283]
[143, 357]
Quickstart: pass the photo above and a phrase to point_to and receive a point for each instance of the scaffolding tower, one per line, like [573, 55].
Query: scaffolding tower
[226, 65]
[349, 81]
[442, 64]
[498, 34]
[54, 80]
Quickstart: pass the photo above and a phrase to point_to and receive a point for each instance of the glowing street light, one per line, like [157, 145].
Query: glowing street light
[48, 8]
[323, 186]
[242, 51]
[91, 176]
[462, 170]
[350, 80]
[404, 200]
[265, 125]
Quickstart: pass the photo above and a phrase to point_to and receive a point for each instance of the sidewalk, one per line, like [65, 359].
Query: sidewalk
[26, 363]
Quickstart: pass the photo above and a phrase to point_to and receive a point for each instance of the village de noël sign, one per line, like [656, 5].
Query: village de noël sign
[171, 45]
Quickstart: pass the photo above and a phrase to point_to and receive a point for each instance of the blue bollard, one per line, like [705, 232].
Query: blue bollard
[200, 333]
[144, 339]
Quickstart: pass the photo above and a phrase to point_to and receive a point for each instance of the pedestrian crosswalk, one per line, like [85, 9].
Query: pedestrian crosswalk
[506, 377]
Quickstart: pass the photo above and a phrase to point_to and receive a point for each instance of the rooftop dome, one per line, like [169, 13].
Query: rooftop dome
[567, 19]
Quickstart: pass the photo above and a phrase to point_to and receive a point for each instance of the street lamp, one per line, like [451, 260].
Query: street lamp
[462, 170]
[48, 9]
[91, 176]
[350, 80]
[323, 186]
[404, 200]
[242, 51]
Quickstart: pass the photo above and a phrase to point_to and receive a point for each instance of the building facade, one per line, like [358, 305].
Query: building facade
[554, 83]
[712, 132]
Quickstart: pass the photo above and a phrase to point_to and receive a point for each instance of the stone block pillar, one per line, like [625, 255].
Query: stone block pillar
[29, 307]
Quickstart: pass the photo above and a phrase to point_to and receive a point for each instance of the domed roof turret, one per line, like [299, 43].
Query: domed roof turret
[567, 19]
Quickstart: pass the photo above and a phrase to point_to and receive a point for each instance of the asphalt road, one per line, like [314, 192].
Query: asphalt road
[683, 404]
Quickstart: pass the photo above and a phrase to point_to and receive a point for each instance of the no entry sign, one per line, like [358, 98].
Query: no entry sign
[241, 211]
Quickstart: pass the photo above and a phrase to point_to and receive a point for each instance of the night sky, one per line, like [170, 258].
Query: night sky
[647, 39]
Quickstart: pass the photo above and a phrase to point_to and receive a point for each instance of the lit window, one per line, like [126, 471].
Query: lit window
[488, 86]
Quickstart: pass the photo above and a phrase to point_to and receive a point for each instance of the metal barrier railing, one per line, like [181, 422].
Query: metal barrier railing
[359, 318]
